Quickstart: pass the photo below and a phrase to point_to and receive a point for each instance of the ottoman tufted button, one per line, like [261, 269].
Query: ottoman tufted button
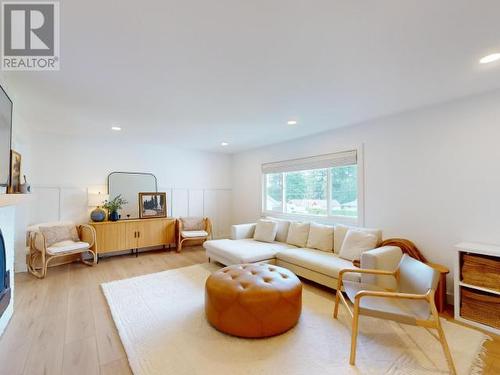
[255, 305]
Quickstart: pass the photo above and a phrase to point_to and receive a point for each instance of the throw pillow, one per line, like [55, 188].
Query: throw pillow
[298, 234]
[58, 233]
[265, 231]
[341, 230]
[320, 237]
[192, 223]
[283, 226]
[355, 243]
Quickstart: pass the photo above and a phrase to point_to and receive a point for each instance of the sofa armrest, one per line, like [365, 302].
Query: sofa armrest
[383, 258]
[241, 231]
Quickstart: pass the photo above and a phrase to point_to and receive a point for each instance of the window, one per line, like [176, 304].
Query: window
[305, 192]
[325, 186]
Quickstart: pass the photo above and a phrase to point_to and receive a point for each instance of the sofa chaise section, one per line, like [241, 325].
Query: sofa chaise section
[229, 252]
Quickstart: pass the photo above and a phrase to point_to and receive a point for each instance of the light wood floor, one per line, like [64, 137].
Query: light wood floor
[62, 324]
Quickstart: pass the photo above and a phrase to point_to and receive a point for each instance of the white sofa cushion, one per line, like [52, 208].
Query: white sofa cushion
[283, 226]
[231, 252]
[325, 263]
[297, 234]
[355, 243]
[341, 230]
[320, 237]
[67, 247]
[265, 230]
[194, 233]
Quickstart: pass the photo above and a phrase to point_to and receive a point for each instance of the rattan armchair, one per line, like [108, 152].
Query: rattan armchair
[412, 303]
[42, 252]
[193, 229]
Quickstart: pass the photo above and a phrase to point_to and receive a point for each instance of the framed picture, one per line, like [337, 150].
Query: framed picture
[152, 205]
[15, 172]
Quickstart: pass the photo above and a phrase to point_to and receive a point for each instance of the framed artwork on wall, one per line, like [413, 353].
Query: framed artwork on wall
[152, 205]
[15, 172]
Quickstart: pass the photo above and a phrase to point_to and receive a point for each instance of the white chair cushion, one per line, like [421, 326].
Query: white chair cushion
[401, 310]
[67, 247]
[265, 230]
[341, 231]
[320, 237]
[355, 243]
[323, 262]
[248, 250]
[193, 233]
[297, 234]
[283, 226]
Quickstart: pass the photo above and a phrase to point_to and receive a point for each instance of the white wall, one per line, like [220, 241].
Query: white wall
[62, 168]
[431, 176]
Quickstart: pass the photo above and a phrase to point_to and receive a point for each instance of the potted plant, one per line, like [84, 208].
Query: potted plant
[113, 206]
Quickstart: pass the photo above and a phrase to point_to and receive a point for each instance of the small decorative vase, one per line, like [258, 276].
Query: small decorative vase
[98, 215]
[113, 216]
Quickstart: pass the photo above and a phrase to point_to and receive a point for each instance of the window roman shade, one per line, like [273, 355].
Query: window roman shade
[338, 159]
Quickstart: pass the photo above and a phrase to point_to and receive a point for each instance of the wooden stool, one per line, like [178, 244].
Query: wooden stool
[440, 297]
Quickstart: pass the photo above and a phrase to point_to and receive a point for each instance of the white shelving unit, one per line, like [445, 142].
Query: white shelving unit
[480, 249]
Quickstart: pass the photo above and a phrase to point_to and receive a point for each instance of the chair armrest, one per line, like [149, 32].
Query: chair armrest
[36, 237]
[241, 231]
[380, 294]
[362, 272]
[208, 227]
[87, 232]
[383, 258]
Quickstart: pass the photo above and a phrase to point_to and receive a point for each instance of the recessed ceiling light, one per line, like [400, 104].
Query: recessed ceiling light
[224, 144]
[490, 58]
[292, 122]
[116, 128]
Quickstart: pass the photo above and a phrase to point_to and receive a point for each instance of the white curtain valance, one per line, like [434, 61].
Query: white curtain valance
[338, 159]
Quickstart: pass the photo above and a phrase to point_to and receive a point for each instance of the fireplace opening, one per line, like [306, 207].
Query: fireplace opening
[4, 278]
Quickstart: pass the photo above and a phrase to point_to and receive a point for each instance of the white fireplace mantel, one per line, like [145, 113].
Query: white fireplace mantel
[13, 199]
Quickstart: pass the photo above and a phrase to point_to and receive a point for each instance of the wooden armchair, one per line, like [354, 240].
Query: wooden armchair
[413, 303]
[193, 229]
[51, 241]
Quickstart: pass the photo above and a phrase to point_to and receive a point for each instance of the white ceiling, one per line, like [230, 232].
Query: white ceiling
[194, 73]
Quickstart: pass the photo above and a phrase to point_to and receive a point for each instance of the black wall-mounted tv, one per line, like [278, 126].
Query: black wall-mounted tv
[5, 136]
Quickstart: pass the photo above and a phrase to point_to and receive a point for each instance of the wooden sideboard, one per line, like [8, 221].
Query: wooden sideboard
[133, 234]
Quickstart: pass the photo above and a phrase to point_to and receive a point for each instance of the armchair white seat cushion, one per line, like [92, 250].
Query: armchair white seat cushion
[229, 252]
[67, 247]
[194, 233]
[401, 310]
[319, 261]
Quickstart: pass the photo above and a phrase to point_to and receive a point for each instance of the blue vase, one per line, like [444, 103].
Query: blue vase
[98, 215]
[113, 216]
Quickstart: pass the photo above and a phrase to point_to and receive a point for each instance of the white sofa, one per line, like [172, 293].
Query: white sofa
[317, 265]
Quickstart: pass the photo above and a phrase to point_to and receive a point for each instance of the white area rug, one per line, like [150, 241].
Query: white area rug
[161, 322]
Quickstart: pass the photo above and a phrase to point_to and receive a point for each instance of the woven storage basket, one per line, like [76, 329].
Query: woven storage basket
[480, 307]
[481, 270]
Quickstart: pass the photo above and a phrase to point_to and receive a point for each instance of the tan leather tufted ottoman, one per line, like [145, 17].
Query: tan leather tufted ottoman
[253, 300]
